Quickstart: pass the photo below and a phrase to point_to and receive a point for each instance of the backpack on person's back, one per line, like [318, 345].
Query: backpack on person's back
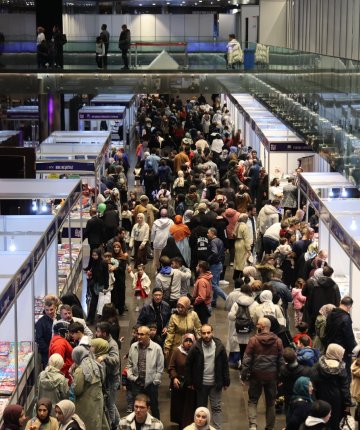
[243, 321]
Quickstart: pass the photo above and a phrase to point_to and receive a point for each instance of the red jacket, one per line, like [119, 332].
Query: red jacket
[203, 289]
[59, 345]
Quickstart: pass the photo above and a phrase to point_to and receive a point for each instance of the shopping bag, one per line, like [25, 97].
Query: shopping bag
[104, 298]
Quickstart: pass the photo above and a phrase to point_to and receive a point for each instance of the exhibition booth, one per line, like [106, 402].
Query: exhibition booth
[25, 118]
[278, 147]
[33, 264]
[337, 203]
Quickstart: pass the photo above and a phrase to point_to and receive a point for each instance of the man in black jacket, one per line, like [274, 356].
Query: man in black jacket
[207, 371]
[124, 45]
[215, 258]
[94, 232]
[339, 329]
[43, 330]
[158, 312]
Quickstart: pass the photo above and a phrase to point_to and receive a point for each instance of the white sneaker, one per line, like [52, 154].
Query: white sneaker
[137, 309]
[223, 282]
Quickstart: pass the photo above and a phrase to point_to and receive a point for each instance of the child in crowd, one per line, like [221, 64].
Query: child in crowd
[137, 174]
[100, 52]
[133, 201]
[141, 284]
[298, 300]
[302, 329]
[284, 252]
[113, 264]
[126, 386]
[126, 220]
[305, 354]
[284, 226]
[153, 334]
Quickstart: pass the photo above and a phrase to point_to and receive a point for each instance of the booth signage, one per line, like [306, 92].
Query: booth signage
[64, 166]
[6, 299]
[110, 103]
[101, 115]
[23, 115]
[355, 255]
[51, 232]
[22, 278]
[39, 252]
[314, 199]
[290, 147]
[340, 235]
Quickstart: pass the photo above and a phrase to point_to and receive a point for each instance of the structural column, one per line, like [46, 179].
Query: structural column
[50, 114]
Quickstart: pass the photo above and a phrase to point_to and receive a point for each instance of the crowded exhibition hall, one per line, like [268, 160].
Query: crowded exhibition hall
[179, 209]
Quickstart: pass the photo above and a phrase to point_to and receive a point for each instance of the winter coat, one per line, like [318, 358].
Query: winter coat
[43, 333]
[307, 356]
[148, 314]
[282, 291]
[194, 367]
[288, 375]
[263, 357]
[89, 400]
[243, 300]
[290, 195]
[180, 325]
[298, 299]
[145, 282]
[339, 330]
[160, 232]
[234, 52]
[298, 412]
[268, 308]
[61, 346]
[53, 385]
[355, 383]
[203, 289]
[332, 385]
[151, 423]
[267, 216]
[173, 281]
[320, 325]
[242, 246]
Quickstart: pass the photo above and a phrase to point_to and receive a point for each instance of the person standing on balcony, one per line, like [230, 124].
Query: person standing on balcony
[124, 45]
[234, 53]
[105, 35]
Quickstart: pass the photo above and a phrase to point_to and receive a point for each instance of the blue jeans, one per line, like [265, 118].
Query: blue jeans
[216, 270]
[112, 393]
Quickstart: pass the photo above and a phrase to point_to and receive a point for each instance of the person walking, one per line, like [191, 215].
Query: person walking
[262, 360]
[207, 372]
[145, 368]
[215, 258]
[202, 292]
[94, 232]
[124, 45]
[242, 245]
[141, 419]
[105, 35]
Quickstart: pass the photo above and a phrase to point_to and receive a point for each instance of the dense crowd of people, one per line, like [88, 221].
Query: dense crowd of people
[207, 213]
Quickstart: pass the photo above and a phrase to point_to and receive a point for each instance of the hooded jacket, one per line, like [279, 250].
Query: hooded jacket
[243, 300]
[171, 278]
[339, 330]
[268, 216]
[203, 288]
[61, 346]
[288, 375]
[308, 356]
[263, 357]
[194, 368]
[160, 232]
[53, 385]
[232, 216]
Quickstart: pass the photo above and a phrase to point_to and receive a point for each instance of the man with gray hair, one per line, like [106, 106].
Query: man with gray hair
[159, 236]
[260, 368]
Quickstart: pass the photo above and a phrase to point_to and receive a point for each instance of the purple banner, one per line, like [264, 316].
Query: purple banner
[104, 115]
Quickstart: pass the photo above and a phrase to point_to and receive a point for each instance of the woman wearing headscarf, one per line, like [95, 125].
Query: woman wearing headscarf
[183, 320]
[242, 245]
[138, 239]
[52, 384]
[267, 307]
[183, 402]
[320, 326]
[181, 233]
[202, 419]
[100, 347]
[171, 250]
[300, 403]
[68, 419]
[43, 419]
[13, 417]
[331, 383]
[89, 399]
[188, 216]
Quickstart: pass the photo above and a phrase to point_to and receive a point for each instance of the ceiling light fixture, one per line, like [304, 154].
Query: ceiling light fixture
[344, 193]
[12, 246]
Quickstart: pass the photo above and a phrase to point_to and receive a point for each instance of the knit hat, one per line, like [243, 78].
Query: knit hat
[320, 409]
[184, 301]
[266, 296]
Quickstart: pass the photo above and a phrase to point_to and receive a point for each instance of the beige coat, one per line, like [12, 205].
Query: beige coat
[242, 245]
[355, 384]
[180, 325]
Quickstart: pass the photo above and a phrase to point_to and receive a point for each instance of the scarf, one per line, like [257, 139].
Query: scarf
[100, 346]
[67, 407]
[178, 230]
[186, 336]
[326, 309]
[48, 405]
[11, 416]
[187, 216]
[89, 366]
[334, 355]
[56, 363]
[301, 388]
